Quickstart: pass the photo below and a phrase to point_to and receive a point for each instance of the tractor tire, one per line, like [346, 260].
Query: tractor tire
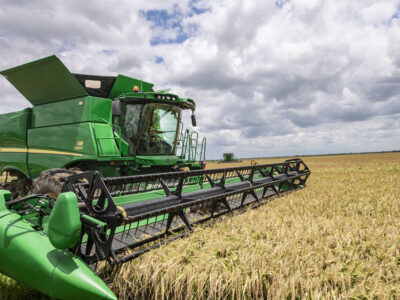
[52, 181]
[19, 186]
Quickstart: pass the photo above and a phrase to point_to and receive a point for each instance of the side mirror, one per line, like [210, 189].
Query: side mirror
[194, 123]
[116, 108]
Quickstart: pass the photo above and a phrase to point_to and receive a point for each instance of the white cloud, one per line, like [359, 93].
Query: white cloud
[306, 77]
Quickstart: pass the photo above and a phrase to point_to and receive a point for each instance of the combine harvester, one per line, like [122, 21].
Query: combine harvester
[101, 170]
[229, 158]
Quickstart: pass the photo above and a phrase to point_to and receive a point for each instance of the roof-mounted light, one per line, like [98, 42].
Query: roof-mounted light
[165, 97]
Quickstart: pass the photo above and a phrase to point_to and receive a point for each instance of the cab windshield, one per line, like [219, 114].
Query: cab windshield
[150, 129]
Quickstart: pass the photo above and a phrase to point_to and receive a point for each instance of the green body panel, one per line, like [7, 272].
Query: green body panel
[124, 84]
[109, 168]
[73, 279]
[79, 110]
[28, 256]
[14, 161]
[13, 134]
[70, 143]
[64, 227]
[13, 128]
[105, 140]
[157, 160]
[45, 80]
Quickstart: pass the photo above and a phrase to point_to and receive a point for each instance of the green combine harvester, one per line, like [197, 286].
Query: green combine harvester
[101, 169]
[229, 157]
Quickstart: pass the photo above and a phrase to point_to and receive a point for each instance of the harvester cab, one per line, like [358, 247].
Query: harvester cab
[106, 158]
[116, 125]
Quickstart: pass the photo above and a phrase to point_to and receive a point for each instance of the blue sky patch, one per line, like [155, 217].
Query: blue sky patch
[397, 14]
[108, 52]
[195, 10]
[163, 18]
[172, 21]
[280, 3]
[180, 38]
[159, 60]
[66, 45]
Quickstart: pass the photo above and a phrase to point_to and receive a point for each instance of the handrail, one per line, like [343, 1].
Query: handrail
[203, 148]
[194, 141]
[184, 144]
[190, 148]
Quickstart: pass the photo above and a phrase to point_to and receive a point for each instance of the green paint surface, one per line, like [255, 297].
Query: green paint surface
[125, 84]
[78, 110]
[45, 80]
[28, 256]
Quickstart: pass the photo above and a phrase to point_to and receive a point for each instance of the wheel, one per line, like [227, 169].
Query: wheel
[16, 183]
[52, 181]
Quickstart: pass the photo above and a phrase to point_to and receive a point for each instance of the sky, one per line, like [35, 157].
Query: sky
[270, 78]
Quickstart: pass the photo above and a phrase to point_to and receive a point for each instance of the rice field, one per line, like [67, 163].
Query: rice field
[339, 238]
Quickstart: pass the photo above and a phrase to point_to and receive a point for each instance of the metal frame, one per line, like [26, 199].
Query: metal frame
[141, 226]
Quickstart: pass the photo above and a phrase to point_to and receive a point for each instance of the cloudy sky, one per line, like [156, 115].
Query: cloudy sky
[269, 78]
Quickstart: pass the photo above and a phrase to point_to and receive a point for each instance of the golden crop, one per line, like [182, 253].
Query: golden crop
[337, 238]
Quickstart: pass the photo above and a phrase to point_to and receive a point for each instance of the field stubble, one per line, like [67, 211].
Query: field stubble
[337, 238]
